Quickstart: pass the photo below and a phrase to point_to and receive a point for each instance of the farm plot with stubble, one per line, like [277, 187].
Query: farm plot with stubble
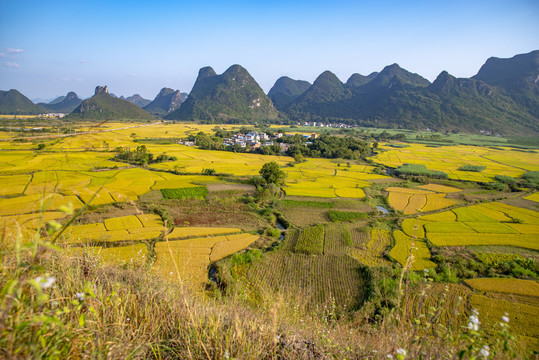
[318, 278]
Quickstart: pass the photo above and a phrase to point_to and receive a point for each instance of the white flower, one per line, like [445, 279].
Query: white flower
[401, 352]
[45, 283]
[485, 351]
[80, 296]
[505, 317]
[474, 322]
[389, 356]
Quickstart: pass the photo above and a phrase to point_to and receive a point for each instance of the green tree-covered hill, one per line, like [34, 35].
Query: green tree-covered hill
[233, 96]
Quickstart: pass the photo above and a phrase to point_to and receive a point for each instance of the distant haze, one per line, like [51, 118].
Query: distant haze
[48, 48]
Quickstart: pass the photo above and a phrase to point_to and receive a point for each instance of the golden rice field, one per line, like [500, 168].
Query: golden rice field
[125, 228]
[522, 315]
[411, 201]
[372, 253]
[403, 248]
[325, 178]
[484, 224]
[506, 285]
[188, 260]
[136, 254]
[533, 197]
[450, 158]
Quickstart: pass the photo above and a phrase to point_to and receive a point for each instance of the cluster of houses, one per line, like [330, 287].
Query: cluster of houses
[253, 139]
[330, 125]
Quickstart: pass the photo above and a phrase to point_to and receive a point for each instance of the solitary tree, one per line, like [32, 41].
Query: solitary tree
[272, 173]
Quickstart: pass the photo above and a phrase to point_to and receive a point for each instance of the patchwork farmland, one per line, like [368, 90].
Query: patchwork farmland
[337, 233]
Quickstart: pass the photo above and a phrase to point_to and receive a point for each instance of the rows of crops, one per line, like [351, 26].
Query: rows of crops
[316, 280]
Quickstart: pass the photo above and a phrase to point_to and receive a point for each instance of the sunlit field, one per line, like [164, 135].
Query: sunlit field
[498, 161]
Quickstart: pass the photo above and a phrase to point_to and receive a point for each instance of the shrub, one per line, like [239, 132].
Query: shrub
[349, 216]
[473, 168]
[419, 170]
[199, 192]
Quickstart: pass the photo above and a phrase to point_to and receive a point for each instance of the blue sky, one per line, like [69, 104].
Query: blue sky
[48, 48]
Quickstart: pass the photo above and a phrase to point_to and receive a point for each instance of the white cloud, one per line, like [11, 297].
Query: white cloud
[14, 51]
[78, 79]
[2, 54]
[11, 64]
[132, 74]
[85, 61]
[65, 78]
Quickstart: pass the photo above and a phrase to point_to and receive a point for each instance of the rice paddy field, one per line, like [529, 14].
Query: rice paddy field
[423, 199]
[318, 260]
[492, 223]
[498, 161]
[495, 297]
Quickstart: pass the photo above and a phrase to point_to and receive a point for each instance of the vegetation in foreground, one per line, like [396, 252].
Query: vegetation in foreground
[56, 306]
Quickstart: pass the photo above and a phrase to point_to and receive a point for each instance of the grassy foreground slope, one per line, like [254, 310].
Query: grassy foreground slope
[56, 306]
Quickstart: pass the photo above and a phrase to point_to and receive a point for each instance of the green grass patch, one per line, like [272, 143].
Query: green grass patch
[472, 168]
[345, 216]
[419, 170]
[199, 192]
[400, 146]
[311, 241]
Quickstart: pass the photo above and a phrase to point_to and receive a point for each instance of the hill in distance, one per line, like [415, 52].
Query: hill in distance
[165, 102]
[12, 102]
[137, 100]
[59, 99]
[103, 106]
[286, 90]
[68, 103]
[517, 76]
[233, 96]
[357, 79]
[502, 98]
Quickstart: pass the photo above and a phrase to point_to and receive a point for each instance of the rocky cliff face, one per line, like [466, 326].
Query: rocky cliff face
[165, 102]
[101, 89]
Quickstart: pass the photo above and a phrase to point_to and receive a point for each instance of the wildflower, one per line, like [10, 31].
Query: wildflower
[45, 283]
[485, 351]
[474, 322]
[401, 353]
[505, 317]
[389, 356]
[80, 296]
